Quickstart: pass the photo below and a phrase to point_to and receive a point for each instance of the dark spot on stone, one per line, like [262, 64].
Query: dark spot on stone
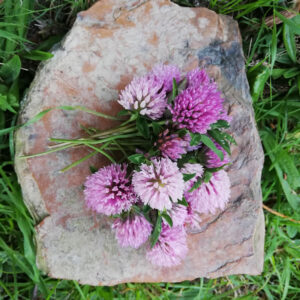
[33, 136]
[229, 58]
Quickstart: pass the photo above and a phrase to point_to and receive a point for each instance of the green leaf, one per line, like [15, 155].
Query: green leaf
[187, 177]
[182, 132]
[258, 82]
[168, 219]
[174, 89]
[183, 202]
[146, 209]
[228, 138]
[286, 277]
[156, 232]
[12, 37]
[292, 230]
[37, 55]
[47, 44]
[4, 105]
[137, 158]
[277, 73]
[291, 73]
[220, 124]
[274, 44]
[293, 26]
[289, 42]
[156, 128]
[219, 137]
[11, 69]
[270, 145]
[13, 94]
[214, 170]
[211, 145]
[143, 127]
[195, 139]
[207, 176]
[123, 112]
[93, 169]
[196, 184]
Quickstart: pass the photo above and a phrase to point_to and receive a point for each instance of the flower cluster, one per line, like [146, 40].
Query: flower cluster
[174, 170]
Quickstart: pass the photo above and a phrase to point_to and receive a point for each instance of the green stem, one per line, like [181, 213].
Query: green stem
[90, 111]
[93, 142]
[47, 152]
[102, 152]
[74, 164]
[77, 162]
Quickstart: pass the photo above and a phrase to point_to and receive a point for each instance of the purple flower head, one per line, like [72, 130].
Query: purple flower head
[145, 95]
[166, 73]
[198, 106]
[171, 247]
[171, 145]
[132, 232]
[156, 183]
[212, 195]
[108, 191]
[213, 160]
[178, 214]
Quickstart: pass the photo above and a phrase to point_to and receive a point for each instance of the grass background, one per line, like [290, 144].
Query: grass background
[270, 32]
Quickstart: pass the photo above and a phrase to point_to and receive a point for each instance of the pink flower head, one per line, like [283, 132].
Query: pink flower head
[108, 191]
[132, 232]
[166, 73]
[211, 195]
[213, 160]
[171, 145]
[145, 95]
[198, 106]
[159, 183]
[193, 219]
[197, 77]
[178, 214]
[171, 247]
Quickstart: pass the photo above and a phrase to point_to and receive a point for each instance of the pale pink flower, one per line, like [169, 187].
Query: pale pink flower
[109, 191]
[171, 247]
[178, 214]
[193, 219]
[145, 95]
[133, 232]
[159, 184]
[212, 195]
[166, 73]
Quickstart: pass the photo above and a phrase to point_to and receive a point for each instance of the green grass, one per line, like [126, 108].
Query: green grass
[272, 63]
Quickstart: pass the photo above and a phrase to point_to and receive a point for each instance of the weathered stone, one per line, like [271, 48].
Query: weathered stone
[108, 45]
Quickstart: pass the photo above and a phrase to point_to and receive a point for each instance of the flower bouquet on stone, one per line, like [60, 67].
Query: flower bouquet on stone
[173, 150]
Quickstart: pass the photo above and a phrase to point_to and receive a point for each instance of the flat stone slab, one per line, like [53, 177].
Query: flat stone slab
[109, 44]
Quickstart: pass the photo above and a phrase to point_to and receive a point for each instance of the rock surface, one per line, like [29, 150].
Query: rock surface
[109, 43]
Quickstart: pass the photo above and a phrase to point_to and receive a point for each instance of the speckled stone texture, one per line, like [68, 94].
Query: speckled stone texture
[109, 44]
